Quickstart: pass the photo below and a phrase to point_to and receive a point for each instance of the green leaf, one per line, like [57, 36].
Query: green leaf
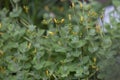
[101, 76]
[23, 47]
[106, 42]
[116, 3]
[16, 12]
[21, 57]
[14, 67]
[79, 72]
[76, 54]
[93, 48]
[40, 32]
[11, 45]
[18, 34]
[77, 43]
[31, 27]
[85, 60]
[68, 60]
[48, 64]
[5, 36]
[86, 71]
[59, 48]
[81, 43]
[16, 1]
[64, 71]
[92, 32]
[39, 65]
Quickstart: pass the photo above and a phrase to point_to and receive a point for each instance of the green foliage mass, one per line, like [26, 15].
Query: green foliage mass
[39, 43]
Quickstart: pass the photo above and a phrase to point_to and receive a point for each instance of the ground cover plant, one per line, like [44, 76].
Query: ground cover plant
[40, 42]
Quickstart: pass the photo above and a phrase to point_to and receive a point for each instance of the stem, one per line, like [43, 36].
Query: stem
[12, 3]
[92, 74]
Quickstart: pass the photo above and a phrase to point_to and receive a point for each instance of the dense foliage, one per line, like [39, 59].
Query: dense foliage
[61, 40]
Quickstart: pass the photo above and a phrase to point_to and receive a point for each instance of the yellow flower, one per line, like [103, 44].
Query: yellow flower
[69, 17]
[94, 59]
[62, 20]
[95, 14]
[47, 72]
[92, 13]
[94, 67]
[81, 18]
[58, 21]
[26, 8]
[98, 28]
[81, 5]
[73, 5]
[0, 25]
[29, 45]
[55, 20]
[51, 33]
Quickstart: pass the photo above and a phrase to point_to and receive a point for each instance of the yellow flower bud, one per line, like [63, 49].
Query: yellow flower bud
[0, 25]
[51, 33]
[94, 59]
[26, 8]
[94, 13]
[81, 5]
[73, 5]
[94, 67]
[47, 73]
[98, 28]
[55, 20]
[69, 17]
[81, 18]
[29, 45]
[58, 21]
[62, 20]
